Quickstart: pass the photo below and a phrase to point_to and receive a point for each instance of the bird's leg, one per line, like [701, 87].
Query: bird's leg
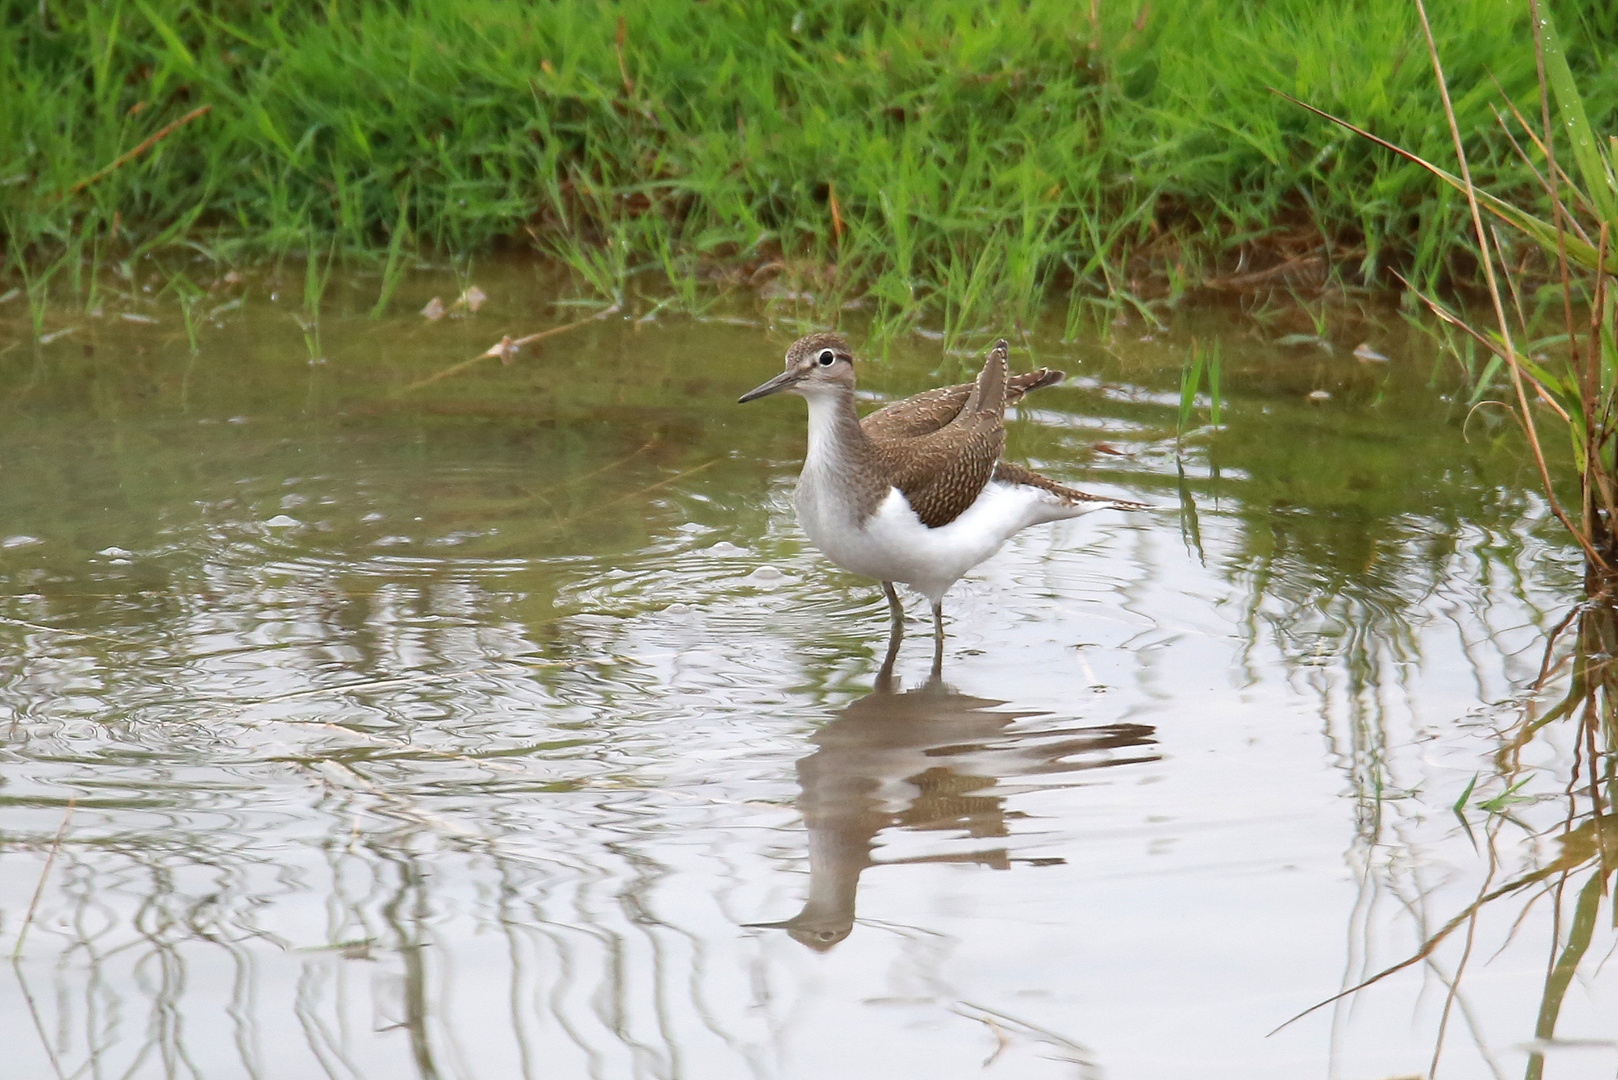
[894, 607]
[938, 640]
[896, 633]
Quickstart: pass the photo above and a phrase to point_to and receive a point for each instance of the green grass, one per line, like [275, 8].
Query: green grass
[969, 158]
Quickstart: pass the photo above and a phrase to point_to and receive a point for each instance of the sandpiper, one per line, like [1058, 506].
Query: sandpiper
[916, 492]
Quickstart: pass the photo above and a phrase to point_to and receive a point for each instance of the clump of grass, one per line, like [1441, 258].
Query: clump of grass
[1580, 386]
[393, 267]
[188, 295]
[1562, 390]
[316, 276]
[969, 158]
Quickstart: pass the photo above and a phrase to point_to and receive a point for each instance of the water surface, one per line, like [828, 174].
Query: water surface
[362, 723]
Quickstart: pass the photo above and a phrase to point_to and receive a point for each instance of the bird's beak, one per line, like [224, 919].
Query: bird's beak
[781, 382]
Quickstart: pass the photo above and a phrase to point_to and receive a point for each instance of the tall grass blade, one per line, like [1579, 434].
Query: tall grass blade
[1593, 168]
[393, 269]
[1190, 383]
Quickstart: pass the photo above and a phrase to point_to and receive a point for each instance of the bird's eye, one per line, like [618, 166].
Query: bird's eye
[827, 357]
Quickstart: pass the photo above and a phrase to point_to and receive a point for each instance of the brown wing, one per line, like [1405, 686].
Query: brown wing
[1008, 473]
[942, 472]
[920, 415]
[932, 409]
[941, 477]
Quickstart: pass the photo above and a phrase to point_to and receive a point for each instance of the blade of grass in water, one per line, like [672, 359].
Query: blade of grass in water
[393, 269]
[1190, 382]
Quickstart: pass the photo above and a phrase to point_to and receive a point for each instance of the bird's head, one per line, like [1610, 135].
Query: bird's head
[816, 363]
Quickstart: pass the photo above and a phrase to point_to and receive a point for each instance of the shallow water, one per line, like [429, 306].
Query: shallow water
[366, 726]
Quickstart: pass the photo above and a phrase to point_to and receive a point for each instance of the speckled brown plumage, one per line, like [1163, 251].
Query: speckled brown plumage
[942, 472]
[940, 448]
[895, 429]
[932, 409]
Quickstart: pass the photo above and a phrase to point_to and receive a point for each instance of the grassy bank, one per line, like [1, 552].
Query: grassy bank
[959, 156]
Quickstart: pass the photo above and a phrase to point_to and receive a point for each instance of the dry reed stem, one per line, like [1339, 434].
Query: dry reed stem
[1447, 316]
[592, 474]
[6, 620]
[39, 888]
[1597, 482]
[618, 48]
[151, 141]
[1550, 156]
[1429, 946]
[506, 344]
[1486, 251]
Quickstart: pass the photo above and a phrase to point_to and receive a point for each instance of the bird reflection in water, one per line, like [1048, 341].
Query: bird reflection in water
[925, 759]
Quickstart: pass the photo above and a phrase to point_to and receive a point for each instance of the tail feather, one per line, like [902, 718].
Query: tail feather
[1009, 473]
[989, 392]
[932, 409]
[1032, 380]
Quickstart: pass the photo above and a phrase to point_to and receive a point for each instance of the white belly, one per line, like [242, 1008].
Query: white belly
[893, 545]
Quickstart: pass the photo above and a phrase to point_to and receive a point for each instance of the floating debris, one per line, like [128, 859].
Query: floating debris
[144, 320]
[1319, 395]
[775, 290]
[435, 309]
[1293, 340]
[505, 349]
[496, 350]
[46, 339]
[473, 298]
[1367, 355]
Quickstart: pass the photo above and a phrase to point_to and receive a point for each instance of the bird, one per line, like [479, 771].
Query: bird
[916, 493]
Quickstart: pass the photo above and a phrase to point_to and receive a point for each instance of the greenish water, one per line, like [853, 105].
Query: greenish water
[462, 729]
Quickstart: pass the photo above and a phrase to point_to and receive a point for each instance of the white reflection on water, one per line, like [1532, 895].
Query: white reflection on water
[386, 833]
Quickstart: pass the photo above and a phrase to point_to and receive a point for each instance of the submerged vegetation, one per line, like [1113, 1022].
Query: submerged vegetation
[962, 157]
